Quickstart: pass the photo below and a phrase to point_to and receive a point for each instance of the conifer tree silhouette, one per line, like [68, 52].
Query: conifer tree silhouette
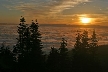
[28, 48]
[84, 53]
[93, 53]
[63, 51]
[6, 59]
[77, 55]
[85, 39]
[22, 48]
[36, 53]
[19, 47]
[53, 60]
[36, 44]
[94, 44]
[78, 43]
[80, 53]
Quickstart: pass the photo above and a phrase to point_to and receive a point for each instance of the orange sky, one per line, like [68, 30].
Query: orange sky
[54, 11]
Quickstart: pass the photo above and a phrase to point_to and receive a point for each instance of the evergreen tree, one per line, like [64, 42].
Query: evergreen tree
[28, 49]
[58, 60]
[93, 44]
[64, 60]
[6, 59]
[22, 48]
[85, 39]
[36, 44]
[36, 54]
[77, 55]
[53, 61]
[63, 48]
[93, 53]
[78, 43]
[19, 48]
[80, 53]
[84, 53]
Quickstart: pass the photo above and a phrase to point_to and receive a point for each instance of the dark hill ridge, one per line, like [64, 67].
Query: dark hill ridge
[103, 49]
[73, 25]
[64, 25]
[103, 56]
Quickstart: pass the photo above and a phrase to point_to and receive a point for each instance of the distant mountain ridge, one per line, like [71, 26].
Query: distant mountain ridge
[67, 25]
[63, 25]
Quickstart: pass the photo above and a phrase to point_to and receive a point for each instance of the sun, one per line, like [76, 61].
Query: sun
[85, 20]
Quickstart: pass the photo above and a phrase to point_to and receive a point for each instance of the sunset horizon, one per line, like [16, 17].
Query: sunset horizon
[54, 11]
[53, 35]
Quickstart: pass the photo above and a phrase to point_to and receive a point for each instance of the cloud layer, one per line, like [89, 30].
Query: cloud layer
[56, 11]
[43, 8]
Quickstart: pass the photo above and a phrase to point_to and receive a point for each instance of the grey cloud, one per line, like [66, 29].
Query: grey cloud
[43, 8]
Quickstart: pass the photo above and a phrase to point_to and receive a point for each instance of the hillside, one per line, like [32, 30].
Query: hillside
[103, 57]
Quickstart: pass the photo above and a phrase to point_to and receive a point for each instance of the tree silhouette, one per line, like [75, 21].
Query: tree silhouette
[58, 60]
[78, 43]
[93, 53]
[37, 57]
[28, 50]
[53, 61]
[36, 44]
[64, 60]
[84, 53]
[78, 55]
[85, 39]
[6, 59]
[94, 44]
[22, 48]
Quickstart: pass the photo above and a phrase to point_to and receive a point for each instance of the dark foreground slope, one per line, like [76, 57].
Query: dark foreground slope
[103, 57]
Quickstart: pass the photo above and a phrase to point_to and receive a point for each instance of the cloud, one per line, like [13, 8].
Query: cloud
[45, 7]
[46, 10]
[65, 4]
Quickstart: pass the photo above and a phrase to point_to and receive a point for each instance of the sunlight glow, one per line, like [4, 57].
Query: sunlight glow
[85, 20]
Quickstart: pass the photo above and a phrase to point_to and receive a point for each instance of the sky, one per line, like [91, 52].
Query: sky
[54, 11]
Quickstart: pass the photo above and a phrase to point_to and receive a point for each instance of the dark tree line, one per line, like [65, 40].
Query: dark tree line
[85, 53]
[27, 54]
